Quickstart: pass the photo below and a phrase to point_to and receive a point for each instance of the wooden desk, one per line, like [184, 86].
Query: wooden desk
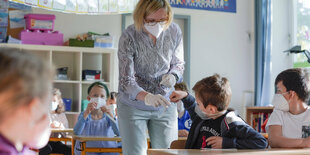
[70, 130]
[64, 139]
[227, 152]
[84, 139]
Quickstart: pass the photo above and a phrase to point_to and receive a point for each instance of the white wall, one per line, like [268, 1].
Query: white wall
[220, 42]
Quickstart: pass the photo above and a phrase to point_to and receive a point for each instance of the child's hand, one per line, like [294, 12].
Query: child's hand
[215, 142]
[106, 110]
[177, 95]
[90, 107]
[183, 133]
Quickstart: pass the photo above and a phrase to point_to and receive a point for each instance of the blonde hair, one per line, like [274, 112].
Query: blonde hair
[25, 76]
[61, 107]
[145, 8]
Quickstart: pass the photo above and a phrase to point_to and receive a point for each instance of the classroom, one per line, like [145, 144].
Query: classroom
[154, 77]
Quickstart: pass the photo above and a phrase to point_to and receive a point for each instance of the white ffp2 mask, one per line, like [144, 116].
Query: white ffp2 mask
[100, 102]
[280, 102]
[155, 30]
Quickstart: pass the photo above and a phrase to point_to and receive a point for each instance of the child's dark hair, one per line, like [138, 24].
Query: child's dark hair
[214, 90]
[181, 86]
[297, 80]
[99, 84]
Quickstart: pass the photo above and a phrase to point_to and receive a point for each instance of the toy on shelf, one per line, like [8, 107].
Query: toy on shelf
[40, 30]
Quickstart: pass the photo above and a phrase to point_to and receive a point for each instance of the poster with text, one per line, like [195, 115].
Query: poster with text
[211, 5]
[59, 4]
[113, 6]
[71, 5]
[4, 17]
[103, 6]
[45, 4]
[82, 6]
[17, 18]
[93, 6]
[31, 2]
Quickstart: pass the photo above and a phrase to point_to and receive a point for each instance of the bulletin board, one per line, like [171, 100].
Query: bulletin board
[210, 5]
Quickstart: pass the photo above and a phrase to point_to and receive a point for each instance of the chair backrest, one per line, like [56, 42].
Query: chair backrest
[178, 144]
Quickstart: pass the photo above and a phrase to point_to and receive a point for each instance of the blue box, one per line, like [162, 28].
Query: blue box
[67, 103]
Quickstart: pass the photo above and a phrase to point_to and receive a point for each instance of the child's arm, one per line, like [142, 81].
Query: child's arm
[80, 124]
[240, 135]
[114, 125]
[276, 139]
[187, 99]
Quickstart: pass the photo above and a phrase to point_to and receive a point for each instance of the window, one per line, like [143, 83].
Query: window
[302, 15]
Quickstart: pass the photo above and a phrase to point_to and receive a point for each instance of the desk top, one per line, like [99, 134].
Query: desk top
[93, 138]
[227, 151]
[62, 130]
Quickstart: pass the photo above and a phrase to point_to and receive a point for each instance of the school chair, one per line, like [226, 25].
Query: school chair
[178, 144]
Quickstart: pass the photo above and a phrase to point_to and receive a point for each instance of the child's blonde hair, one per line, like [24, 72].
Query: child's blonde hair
[23, 77]
[61, 107]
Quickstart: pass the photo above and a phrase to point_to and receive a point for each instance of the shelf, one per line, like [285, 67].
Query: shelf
[60, 48]
[72, 113]
[90, 82]
[66, 81]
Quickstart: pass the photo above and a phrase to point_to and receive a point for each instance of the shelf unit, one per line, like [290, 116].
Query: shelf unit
[250, 111]
[76, 59]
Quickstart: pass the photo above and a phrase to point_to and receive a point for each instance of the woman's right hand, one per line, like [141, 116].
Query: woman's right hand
[177, 95]
[90, 107]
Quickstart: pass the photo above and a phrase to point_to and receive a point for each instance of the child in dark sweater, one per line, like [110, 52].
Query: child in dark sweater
[213, 125]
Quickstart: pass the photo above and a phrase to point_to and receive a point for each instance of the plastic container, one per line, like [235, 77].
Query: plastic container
[62, 73]
[42, 38]
[68, 103]
[84, 104]
[39, 21]
[78, 43]
[103, 41]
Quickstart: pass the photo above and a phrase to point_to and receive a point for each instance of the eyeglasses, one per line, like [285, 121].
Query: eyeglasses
[154, 22]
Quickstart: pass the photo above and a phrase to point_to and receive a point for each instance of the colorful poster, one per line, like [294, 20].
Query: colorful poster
[93, 6]
[103, 6]
[45, 4]
[4, 4]
[19, 6]
[212, 5]
[17, 18]
[4, 17]
[59, 4]
[31, 2]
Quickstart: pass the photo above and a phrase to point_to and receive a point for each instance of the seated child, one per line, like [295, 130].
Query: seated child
[289, 124]
[112, 102]
[58, 121]
[184, 120]
[25, 88]
[213, 126]
[97, 119]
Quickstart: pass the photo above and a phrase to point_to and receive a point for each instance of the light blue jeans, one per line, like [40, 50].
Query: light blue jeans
[133, 125]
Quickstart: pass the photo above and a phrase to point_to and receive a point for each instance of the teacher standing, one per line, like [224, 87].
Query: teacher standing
[150, 63]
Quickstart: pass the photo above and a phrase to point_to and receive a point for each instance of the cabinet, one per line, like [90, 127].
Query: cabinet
[76, 59]
[256, 116]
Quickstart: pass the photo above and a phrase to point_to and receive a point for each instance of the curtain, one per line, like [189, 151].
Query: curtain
[262, 52]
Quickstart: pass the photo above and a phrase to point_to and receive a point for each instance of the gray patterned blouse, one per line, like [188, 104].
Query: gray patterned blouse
[142, 63]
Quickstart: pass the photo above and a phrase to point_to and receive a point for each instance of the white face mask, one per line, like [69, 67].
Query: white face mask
[155, 30]
[203, 115]
[53, 106]
[100, 102]
[280, 102]
[112, 108]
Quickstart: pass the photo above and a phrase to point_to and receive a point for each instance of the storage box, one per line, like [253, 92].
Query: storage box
[67, 103]
[41, 38]
[78, 43]
[103, 41]
[39, 21]
[91, 74]
[62, 73]
[84, 104]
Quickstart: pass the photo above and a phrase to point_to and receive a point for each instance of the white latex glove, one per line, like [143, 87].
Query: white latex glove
[156, 100]
[168, 80]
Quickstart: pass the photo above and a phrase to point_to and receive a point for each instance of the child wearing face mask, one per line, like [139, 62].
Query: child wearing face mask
[58, 121]
[25, 94]
[213, 125]
[289, 124]
[97, 120]
[184, 120]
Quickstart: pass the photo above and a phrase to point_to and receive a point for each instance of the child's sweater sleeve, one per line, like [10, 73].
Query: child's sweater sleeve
[80, 124]
[242, 136]
[114, 126]
[189, 104]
